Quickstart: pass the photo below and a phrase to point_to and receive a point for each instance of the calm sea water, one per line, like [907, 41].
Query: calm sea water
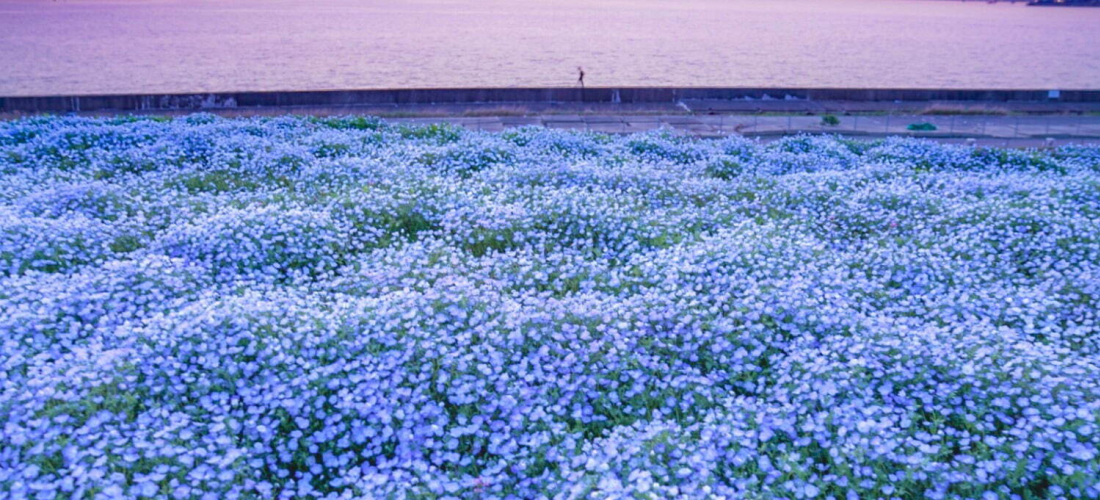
[100, 46]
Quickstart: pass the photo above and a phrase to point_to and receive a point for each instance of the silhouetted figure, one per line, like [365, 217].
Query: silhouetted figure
[580, 80]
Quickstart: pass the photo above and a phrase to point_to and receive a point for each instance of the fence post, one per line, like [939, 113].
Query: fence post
[788, 124]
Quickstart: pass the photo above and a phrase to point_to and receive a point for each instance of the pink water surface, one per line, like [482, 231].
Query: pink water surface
[97, 46]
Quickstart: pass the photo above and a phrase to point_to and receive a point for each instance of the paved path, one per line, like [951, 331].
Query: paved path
[987, 129]
[1030, 124]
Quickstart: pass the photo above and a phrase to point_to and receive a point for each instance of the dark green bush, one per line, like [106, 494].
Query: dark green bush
[921, 127]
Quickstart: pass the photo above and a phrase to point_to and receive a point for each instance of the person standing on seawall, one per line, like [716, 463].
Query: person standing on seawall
[580, 79]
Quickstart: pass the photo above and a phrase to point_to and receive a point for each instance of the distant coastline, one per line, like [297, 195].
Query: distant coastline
[1064, 3]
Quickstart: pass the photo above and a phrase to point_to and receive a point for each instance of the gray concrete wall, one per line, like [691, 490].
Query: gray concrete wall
[342, 98]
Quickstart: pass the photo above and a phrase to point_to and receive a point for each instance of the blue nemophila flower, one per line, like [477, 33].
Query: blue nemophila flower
[347, 308]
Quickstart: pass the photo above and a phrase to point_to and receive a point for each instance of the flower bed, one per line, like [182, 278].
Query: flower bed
[337, 308]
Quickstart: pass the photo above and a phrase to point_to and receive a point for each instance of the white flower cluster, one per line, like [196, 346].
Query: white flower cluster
[203, 308]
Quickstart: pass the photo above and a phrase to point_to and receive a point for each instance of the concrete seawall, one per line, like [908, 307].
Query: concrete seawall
[1065, 99]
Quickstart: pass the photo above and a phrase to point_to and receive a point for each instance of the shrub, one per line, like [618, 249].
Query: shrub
[921, 127]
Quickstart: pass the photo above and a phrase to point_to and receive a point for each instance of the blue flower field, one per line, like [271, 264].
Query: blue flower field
[209, 308]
